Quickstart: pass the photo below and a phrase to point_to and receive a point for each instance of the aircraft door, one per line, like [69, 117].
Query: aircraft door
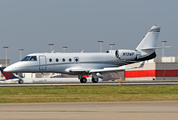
[42, 63]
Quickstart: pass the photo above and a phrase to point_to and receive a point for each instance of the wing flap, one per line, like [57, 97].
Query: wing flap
[77, 70]
[108, 70]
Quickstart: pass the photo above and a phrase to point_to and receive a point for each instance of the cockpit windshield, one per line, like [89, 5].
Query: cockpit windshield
[29, 58]
[25, 58]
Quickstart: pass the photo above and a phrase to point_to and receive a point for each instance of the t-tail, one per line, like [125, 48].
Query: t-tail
[146, 48]
[7, 75]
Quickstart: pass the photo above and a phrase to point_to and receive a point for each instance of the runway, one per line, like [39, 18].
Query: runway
[158, 82]
[159, 110]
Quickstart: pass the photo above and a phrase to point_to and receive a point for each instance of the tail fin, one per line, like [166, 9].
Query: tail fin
[7, 75]
[148, 45]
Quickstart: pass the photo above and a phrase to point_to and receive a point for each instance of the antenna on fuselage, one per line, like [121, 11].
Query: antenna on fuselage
[82, 51]
[53, 51]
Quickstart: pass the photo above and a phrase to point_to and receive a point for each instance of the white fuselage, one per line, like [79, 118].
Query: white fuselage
[61, 62]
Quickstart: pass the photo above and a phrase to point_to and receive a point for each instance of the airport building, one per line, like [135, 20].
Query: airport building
[160, 68]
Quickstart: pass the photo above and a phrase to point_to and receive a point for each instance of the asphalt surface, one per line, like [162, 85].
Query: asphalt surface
[158, 82]
[149, 110]
[140, 110]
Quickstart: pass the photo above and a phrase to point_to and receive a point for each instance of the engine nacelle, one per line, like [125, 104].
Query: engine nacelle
[126, 54]
[110, 51]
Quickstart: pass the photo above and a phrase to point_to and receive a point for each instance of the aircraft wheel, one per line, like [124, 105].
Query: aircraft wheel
[83, 80]
[20, 81]
[94, 80]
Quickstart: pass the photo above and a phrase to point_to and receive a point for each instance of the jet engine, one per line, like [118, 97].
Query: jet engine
[126, 54]
[110, 51]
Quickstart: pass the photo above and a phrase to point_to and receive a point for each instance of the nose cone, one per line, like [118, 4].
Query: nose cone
[12, 68]
[8, 69]
[22, 67]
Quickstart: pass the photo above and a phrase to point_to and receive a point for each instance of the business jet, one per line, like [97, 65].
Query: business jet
[86, 64]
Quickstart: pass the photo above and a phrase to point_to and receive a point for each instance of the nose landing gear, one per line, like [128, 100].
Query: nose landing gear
[20, 81]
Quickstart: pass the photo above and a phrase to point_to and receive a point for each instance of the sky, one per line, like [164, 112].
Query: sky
[78, 24]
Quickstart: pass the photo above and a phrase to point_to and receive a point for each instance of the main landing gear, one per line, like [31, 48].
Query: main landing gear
[94, 80]
[84, 80]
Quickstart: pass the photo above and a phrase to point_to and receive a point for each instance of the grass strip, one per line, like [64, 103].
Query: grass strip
[87, 93]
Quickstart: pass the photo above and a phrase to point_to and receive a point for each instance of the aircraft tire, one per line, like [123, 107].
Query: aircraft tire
[20, 81]
[83, 80]
[94, 80]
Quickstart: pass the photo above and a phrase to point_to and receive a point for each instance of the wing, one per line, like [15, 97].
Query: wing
[104, 70]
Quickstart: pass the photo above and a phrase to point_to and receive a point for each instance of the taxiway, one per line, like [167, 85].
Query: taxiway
[149, 110]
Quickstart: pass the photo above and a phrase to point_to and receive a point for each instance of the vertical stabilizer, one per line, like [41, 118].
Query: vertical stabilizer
[7, 75]
[147, 46]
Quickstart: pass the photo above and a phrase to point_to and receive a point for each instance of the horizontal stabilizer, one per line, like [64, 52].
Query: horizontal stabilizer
[150, 48]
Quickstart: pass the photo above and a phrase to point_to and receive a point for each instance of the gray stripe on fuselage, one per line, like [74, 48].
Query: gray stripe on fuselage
[98, 62]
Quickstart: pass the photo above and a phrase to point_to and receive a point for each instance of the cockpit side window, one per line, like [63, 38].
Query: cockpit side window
[25, 58]
[33, 58]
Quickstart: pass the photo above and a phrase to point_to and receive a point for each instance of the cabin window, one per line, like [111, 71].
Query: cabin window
[50, 60]
[70, 60]
[76, 59]
[63, 60]
[57, 60]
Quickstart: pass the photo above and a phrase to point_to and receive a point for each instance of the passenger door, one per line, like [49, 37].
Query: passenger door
[42, 63]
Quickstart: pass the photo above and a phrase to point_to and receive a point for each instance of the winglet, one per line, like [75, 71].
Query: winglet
[142, 64]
